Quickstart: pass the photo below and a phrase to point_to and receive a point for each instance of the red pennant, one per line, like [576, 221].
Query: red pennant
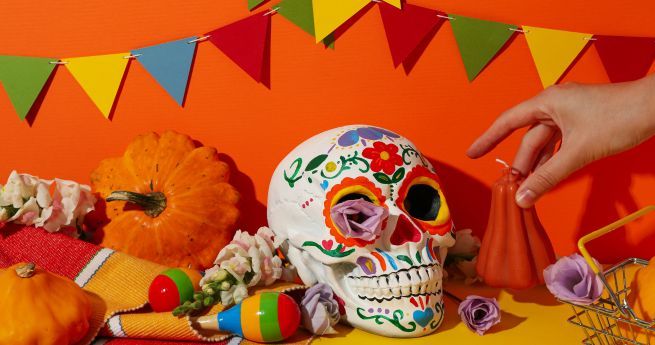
[406, 29]
[247, 43]
[625, 58]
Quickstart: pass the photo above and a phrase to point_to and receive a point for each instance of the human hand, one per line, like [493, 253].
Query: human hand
[590, 121]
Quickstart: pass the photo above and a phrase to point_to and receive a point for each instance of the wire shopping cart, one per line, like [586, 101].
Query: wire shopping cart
[611, 320]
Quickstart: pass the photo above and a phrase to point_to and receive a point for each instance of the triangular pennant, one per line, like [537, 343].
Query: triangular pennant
[553, 51]
[254, 3]
[23, 79]
[406, 29]
[246, 42]
[300, 13]
[625, 58]
[479, 41]
[330, 14]
[169, 63]
[395, 3]
[100, 77]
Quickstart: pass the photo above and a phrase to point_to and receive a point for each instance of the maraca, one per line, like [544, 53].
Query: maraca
[173, 287]
[265, 318]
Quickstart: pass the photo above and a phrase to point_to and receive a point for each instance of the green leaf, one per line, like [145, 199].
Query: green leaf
[315, 162]
[382, 178]
[398, 175]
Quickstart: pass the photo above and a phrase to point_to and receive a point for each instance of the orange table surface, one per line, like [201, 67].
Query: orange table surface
[528, 317]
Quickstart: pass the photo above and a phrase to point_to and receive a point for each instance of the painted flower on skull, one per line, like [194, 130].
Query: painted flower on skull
[362, 134]
[384, 157]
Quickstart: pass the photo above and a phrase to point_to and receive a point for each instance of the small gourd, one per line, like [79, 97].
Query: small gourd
[41, 308]
[642, 301]
[168, 201]
[173, 287]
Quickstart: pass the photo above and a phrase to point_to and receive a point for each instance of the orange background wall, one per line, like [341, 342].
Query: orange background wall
[313, 89]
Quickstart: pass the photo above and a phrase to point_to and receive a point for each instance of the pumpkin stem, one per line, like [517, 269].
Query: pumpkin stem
[25, 270]
[153, 204]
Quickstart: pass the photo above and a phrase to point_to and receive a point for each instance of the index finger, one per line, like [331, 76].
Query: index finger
[522, 115]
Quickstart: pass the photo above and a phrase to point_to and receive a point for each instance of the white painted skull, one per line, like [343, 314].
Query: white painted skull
[382, 253]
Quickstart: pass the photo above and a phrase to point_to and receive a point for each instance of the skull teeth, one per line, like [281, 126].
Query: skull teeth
[415, 281]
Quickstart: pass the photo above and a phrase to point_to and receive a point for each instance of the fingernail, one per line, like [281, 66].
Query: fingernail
[515, 171]
[525, 198]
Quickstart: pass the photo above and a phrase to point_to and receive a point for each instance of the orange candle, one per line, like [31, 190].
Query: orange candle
[515, 249]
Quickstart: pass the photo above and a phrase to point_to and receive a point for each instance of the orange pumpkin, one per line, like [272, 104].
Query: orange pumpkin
[642, 301]
[41, 308]
[168, 201]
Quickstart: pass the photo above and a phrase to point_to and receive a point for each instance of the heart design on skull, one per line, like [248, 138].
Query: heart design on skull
[423, 317]
[377, 231]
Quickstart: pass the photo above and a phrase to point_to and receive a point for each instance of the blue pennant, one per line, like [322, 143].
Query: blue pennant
[169, 63]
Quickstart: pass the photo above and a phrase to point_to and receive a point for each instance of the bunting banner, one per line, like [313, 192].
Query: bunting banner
[252, 4]
[408, 28]
[625, 58]
[100, 77]
[170, 64]
[479, 41]
[553, 51]
[330, 14]
[23, 79]
[301, 13]
[251, 57]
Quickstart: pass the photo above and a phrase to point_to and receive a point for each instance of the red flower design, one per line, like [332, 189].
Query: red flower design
[383, 157]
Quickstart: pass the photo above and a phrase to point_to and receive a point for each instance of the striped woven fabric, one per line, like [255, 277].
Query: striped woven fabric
[117, 285]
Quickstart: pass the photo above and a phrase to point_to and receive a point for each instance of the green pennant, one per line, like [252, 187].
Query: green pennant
[23, 79]
[301, 13]
[479, 41]
[254, 3]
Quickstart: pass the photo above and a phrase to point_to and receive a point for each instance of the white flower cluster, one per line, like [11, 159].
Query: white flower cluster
[250, 259]
[463, 256]
[26, 199]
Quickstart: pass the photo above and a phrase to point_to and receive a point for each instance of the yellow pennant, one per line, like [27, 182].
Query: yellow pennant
[395, 3]
[100, 77]
[553, 51]
[330, 14]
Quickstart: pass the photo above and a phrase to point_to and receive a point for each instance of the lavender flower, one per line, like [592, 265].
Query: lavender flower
[571, 279]
[359, 218]
[479, 313]
[320, 310]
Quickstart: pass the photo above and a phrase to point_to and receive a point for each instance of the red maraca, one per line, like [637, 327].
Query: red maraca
[173, 287]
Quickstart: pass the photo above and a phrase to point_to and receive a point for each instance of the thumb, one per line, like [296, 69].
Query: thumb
[547, 176]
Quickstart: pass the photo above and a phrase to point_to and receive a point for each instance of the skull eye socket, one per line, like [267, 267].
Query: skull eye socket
[420, 196]
[338, 217]
[422, 202]
[354, 196]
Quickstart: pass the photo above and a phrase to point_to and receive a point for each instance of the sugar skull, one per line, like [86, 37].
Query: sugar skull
[360, 209]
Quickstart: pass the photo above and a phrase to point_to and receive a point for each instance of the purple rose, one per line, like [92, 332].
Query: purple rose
[359, 218]
[571, 279]
[319, 309]
[479, 313]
